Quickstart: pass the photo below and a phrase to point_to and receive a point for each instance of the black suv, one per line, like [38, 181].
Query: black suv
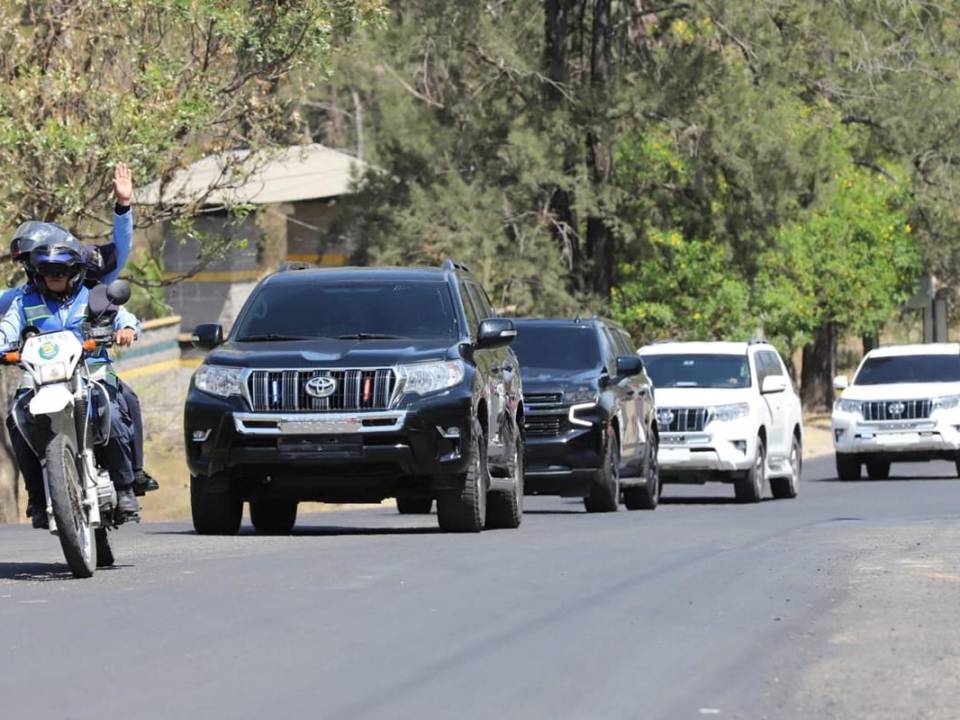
[355, 385]
[591, 425]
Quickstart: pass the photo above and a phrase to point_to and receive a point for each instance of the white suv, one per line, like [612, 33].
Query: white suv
[726, 412]
[903, 405]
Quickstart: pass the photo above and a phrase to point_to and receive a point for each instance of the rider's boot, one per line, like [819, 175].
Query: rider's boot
[37, 512]
[144, 483]
[127, 505]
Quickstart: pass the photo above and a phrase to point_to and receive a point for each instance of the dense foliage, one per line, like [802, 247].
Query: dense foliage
[697, 170]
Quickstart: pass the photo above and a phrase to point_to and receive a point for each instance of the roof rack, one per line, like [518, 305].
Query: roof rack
[758, 341]
[291, 265]
[450, 264]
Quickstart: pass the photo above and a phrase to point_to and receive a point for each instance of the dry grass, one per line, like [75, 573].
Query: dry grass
[818, 436]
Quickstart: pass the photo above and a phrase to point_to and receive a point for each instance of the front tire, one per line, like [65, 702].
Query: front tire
[848, 467]
[215, 506]
[465, 510]
[605, 493]
[77, 538]
[414, 506]
[749, 489]
[646, 497]
[273, 517]
[505, 507]
[784, 488]
[878, 470]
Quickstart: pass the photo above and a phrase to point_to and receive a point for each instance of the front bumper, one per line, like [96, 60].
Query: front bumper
[720, 448]
[931, 438]
[565, 464]
[351, 456]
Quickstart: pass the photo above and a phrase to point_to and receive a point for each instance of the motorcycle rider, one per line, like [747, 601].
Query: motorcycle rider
[58, 302]
[103, 265]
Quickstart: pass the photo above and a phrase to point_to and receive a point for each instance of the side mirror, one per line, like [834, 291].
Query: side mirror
[496, 332]
[208, 336]
[773, 384]
[118, 292]
[629, 365]
[840, 382]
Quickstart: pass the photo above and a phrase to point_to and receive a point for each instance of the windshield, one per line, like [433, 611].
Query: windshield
[356, 310]
[557, 347]
[909, 369]
[698, 371]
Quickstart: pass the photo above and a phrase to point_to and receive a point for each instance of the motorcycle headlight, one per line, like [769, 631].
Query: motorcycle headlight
[727, 413]
[848, 406]
[424, 378]
[217, 380]
[948, 402]
[53, 372]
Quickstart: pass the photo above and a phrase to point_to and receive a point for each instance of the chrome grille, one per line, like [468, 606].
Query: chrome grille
[285, 390]
[542, 400]
[879, 410]
[543, 425]
[681, 419]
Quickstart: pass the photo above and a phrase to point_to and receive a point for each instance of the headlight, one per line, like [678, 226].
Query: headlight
[216, 380]
[948, 402]
[726, 413]
[429, 377]
[580, 396]
[848, 406]
[53, 372]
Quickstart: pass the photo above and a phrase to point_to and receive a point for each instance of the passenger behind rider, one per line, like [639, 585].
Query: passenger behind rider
[58, 302]
[103, 265]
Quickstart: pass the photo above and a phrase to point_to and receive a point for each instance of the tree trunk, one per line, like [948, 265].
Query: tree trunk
[819, 369]
[870, 342]
[600, 239]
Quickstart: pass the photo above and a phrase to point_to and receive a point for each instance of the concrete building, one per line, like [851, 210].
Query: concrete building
[293, 193]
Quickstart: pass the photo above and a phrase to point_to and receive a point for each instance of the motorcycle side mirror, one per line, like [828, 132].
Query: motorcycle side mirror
[118, 292]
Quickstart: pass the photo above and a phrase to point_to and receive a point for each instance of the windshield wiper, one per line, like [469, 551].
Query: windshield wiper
[270, 336]
[368, 336]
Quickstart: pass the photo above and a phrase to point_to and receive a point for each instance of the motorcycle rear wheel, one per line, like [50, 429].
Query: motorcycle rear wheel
[77, 538]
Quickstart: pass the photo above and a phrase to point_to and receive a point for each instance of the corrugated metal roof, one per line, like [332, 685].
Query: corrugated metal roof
[299, 172]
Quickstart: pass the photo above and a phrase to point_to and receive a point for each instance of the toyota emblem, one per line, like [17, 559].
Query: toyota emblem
[665, 416]
[896, 409]
[321, 387]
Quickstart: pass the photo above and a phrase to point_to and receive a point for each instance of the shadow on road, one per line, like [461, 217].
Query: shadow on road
[698, 500]
[34, 572]
[892, 478]
[316, 531]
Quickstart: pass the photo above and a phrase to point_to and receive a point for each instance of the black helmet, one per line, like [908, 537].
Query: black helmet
[59, 253]
[26, 237]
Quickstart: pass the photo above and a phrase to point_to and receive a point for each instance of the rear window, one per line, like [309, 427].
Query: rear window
[557, 348]
[330, 310]
[909, 369]
[698, 371]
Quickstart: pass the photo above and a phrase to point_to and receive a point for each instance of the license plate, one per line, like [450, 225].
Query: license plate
[896, 438]
[672, 455]
[319, 427]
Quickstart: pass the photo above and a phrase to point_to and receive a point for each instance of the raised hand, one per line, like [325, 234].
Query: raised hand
[122, 183]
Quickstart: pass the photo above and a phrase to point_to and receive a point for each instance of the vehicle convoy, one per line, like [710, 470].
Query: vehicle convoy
[727, 412]
[81, 499]
[903, 406]
[355, 385]
[591, 429]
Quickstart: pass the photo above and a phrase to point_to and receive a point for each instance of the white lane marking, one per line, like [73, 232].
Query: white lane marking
[33, 602]
[710, 711]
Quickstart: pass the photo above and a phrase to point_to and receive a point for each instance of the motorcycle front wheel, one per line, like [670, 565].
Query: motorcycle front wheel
[77, 538]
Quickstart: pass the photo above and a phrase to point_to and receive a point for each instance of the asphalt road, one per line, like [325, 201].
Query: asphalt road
[841, 603]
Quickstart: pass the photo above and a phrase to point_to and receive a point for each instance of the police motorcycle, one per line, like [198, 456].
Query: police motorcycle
[81, 499]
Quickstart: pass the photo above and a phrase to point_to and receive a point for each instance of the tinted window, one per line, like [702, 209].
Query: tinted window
[401, 309]
[771, 363]
[469, 309]
[698, 370]
[909, 369]
[557, 348]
